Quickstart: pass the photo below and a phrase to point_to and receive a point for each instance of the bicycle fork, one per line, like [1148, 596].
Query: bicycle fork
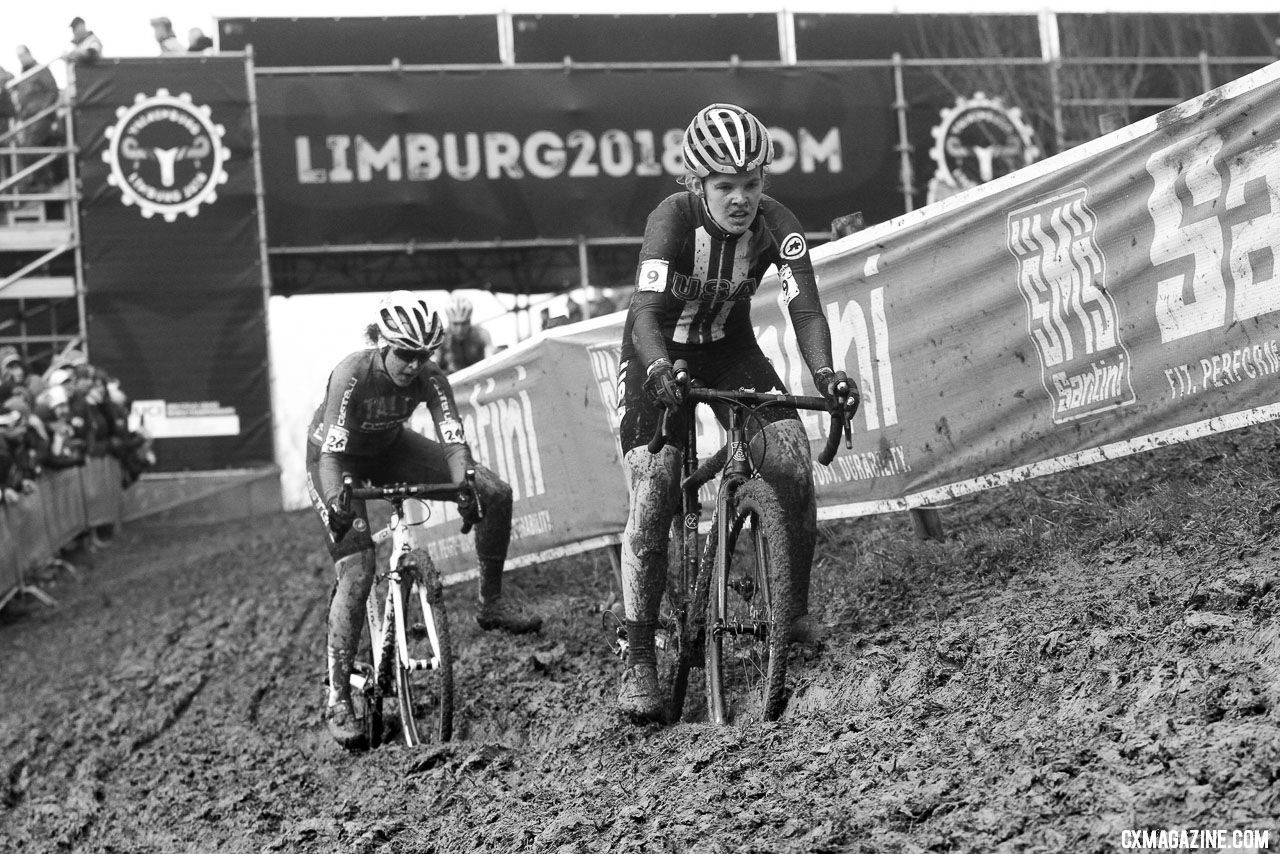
[402, 580]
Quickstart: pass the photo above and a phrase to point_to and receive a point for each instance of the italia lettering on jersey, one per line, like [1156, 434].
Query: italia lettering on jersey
[364, 410]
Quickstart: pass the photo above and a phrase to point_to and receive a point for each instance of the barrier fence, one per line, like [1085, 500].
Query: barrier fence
[1116, 297]
[65, 504]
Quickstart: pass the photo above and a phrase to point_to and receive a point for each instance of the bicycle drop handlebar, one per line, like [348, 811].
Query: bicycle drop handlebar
[839, 421]
[462, 492]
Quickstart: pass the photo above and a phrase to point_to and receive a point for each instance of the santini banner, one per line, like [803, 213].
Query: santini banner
[1117, 297]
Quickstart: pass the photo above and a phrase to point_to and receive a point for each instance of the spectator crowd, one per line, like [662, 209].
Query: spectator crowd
[30, 100]
[60, 419]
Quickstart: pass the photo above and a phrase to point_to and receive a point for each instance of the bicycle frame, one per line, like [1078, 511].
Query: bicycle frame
[393, 608]
[732, 462]
[409, 572]
[689, 578]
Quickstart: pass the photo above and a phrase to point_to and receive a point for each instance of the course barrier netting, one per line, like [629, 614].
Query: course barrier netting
[1120, 296]
[65, 504]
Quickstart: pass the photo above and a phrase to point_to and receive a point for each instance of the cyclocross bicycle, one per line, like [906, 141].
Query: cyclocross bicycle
[408, 651]
[729, 612]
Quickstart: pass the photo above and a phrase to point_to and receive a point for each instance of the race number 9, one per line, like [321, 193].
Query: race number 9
[653, 276]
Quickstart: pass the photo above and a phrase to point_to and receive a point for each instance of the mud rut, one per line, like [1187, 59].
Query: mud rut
[171, 704]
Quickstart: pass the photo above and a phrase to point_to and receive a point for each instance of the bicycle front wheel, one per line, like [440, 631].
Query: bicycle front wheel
[747, 627]
[424, 670]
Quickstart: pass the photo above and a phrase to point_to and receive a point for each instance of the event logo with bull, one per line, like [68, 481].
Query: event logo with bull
[166, 155]
[975, 141]
[1071, 317]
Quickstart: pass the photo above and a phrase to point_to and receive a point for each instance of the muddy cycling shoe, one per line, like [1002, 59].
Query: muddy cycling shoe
[640, 698]
[806, 629]
[502, 613]
[343, 725]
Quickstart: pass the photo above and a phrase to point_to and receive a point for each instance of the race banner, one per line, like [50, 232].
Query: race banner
[402, 156]
[535, 416]
[1120, 296]
[175, 293]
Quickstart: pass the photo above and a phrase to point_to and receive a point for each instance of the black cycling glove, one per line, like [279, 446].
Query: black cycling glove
[829, 383]
[662, 386]
[340, 520]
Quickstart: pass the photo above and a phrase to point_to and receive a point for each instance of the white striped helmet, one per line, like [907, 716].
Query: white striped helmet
[405, 321]
[726, 138]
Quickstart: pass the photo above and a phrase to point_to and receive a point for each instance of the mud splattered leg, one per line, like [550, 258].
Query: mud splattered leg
[786, 466]
[644, 543]
[346, 617]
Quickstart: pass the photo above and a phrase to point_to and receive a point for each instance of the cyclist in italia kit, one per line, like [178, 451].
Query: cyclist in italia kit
[704, 253]
[360, 430]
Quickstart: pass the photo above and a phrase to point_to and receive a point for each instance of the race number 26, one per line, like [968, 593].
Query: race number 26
[1217, 223]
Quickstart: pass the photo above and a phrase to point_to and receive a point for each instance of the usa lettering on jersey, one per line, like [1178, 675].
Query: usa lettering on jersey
[713, 290]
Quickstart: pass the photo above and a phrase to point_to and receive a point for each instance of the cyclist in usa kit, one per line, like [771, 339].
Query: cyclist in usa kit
[704, 253]
[360, 430]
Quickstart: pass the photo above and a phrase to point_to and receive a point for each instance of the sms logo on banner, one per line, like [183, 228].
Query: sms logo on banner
[166, 155]
[1071, 318]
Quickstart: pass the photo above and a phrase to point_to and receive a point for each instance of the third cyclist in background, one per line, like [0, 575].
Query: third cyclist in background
[464, 342]
[705, 251]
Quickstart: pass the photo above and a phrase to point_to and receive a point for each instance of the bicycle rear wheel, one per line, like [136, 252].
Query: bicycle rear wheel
[747, 626]
[424, 687]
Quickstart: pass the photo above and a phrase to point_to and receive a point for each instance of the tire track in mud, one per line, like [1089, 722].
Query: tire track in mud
[176, 634]
[1035, 711]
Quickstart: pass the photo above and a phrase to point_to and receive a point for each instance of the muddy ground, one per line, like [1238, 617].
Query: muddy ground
[965, 702]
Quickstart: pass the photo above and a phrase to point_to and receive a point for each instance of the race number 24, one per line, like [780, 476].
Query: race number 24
[1217, 221]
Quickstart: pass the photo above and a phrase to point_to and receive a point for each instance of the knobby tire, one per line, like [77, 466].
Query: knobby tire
[746, 672]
